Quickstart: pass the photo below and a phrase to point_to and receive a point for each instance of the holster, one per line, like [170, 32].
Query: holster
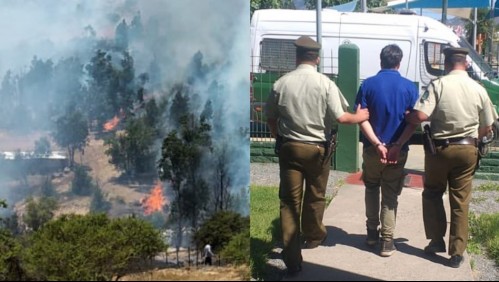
[428, 143]
[278, 143]
[483, 150]
[330, 145]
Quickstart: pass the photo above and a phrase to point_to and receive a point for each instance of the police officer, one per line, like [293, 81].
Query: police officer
[301, 110]
[460, 112]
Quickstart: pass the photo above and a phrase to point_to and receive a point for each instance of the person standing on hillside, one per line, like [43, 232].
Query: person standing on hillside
[301, 111]
[208, 254]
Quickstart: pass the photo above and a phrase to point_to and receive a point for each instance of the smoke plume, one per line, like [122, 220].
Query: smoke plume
[204, 42]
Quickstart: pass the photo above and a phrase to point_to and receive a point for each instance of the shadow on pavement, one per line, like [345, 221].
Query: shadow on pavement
[314, 272]
[341, 237]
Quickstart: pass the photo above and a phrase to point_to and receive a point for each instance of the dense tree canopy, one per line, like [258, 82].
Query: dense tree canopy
[219, 229]
[90, 248]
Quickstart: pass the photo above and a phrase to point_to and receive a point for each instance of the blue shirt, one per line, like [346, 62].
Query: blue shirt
[387, 96]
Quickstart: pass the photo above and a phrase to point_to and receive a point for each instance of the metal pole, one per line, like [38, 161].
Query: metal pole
[407, 4]
[364, 6]
[475, 11]
[444, 11]
[319, 29]
[491, 37]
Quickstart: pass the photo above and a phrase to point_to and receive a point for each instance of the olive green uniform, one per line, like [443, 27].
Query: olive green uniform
[306, 105]
[456, 106]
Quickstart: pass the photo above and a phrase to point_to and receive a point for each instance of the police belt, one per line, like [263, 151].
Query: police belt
[456, 141]
[315, 143]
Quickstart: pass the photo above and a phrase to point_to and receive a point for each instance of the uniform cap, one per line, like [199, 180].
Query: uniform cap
[307, 43]
[454, 51]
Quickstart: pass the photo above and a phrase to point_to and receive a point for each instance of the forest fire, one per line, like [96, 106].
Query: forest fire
[111, 124]
[155, 201]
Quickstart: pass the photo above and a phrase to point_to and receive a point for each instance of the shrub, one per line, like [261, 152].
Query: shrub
[90, 247]
[220, 229]
[238, 249]
[82, 183]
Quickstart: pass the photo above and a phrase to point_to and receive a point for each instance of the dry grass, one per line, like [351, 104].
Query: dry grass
[105, 173]
[212, 273]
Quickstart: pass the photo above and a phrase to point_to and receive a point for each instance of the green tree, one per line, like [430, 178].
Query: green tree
[220, 229]
[181, 156]
[180, 104]
[271, 4]
[153, 113]
[238, 249]
[42, 146]
[484, 25]
[10, 252]
[99, 202]
[133, 150]
[39, 212]
[10, 262]
[82, 182]
[126, 87]
[101, 101]
[71, 132]
[90, 248]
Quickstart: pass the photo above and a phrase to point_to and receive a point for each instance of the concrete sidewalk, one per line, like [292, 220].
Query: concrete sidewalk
[345, 256]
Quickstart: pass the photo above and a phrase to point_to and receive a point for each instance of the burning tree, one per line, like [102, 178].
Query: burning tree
[113, 89]
[132, 151]
[155, 202]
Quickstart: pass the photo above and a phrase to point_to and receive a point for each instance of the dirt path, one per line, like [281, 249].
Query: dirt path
[108, 177]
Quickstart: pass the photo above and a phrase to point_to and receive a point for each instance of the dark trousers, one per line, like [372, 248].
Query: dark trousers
[452, 165]
[301, 163]
[207, 261]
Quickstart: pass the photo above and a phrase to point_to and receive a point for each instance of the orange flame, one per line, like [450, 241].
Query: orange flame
[155, 201]
[111, 124]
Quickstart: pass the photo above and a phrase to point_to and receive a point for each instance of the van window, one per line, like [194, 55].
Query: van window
[434, 58]
[277, 54]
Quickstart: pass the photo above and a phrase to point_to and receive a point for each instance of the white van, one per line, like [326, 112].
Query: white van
[422, 40]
